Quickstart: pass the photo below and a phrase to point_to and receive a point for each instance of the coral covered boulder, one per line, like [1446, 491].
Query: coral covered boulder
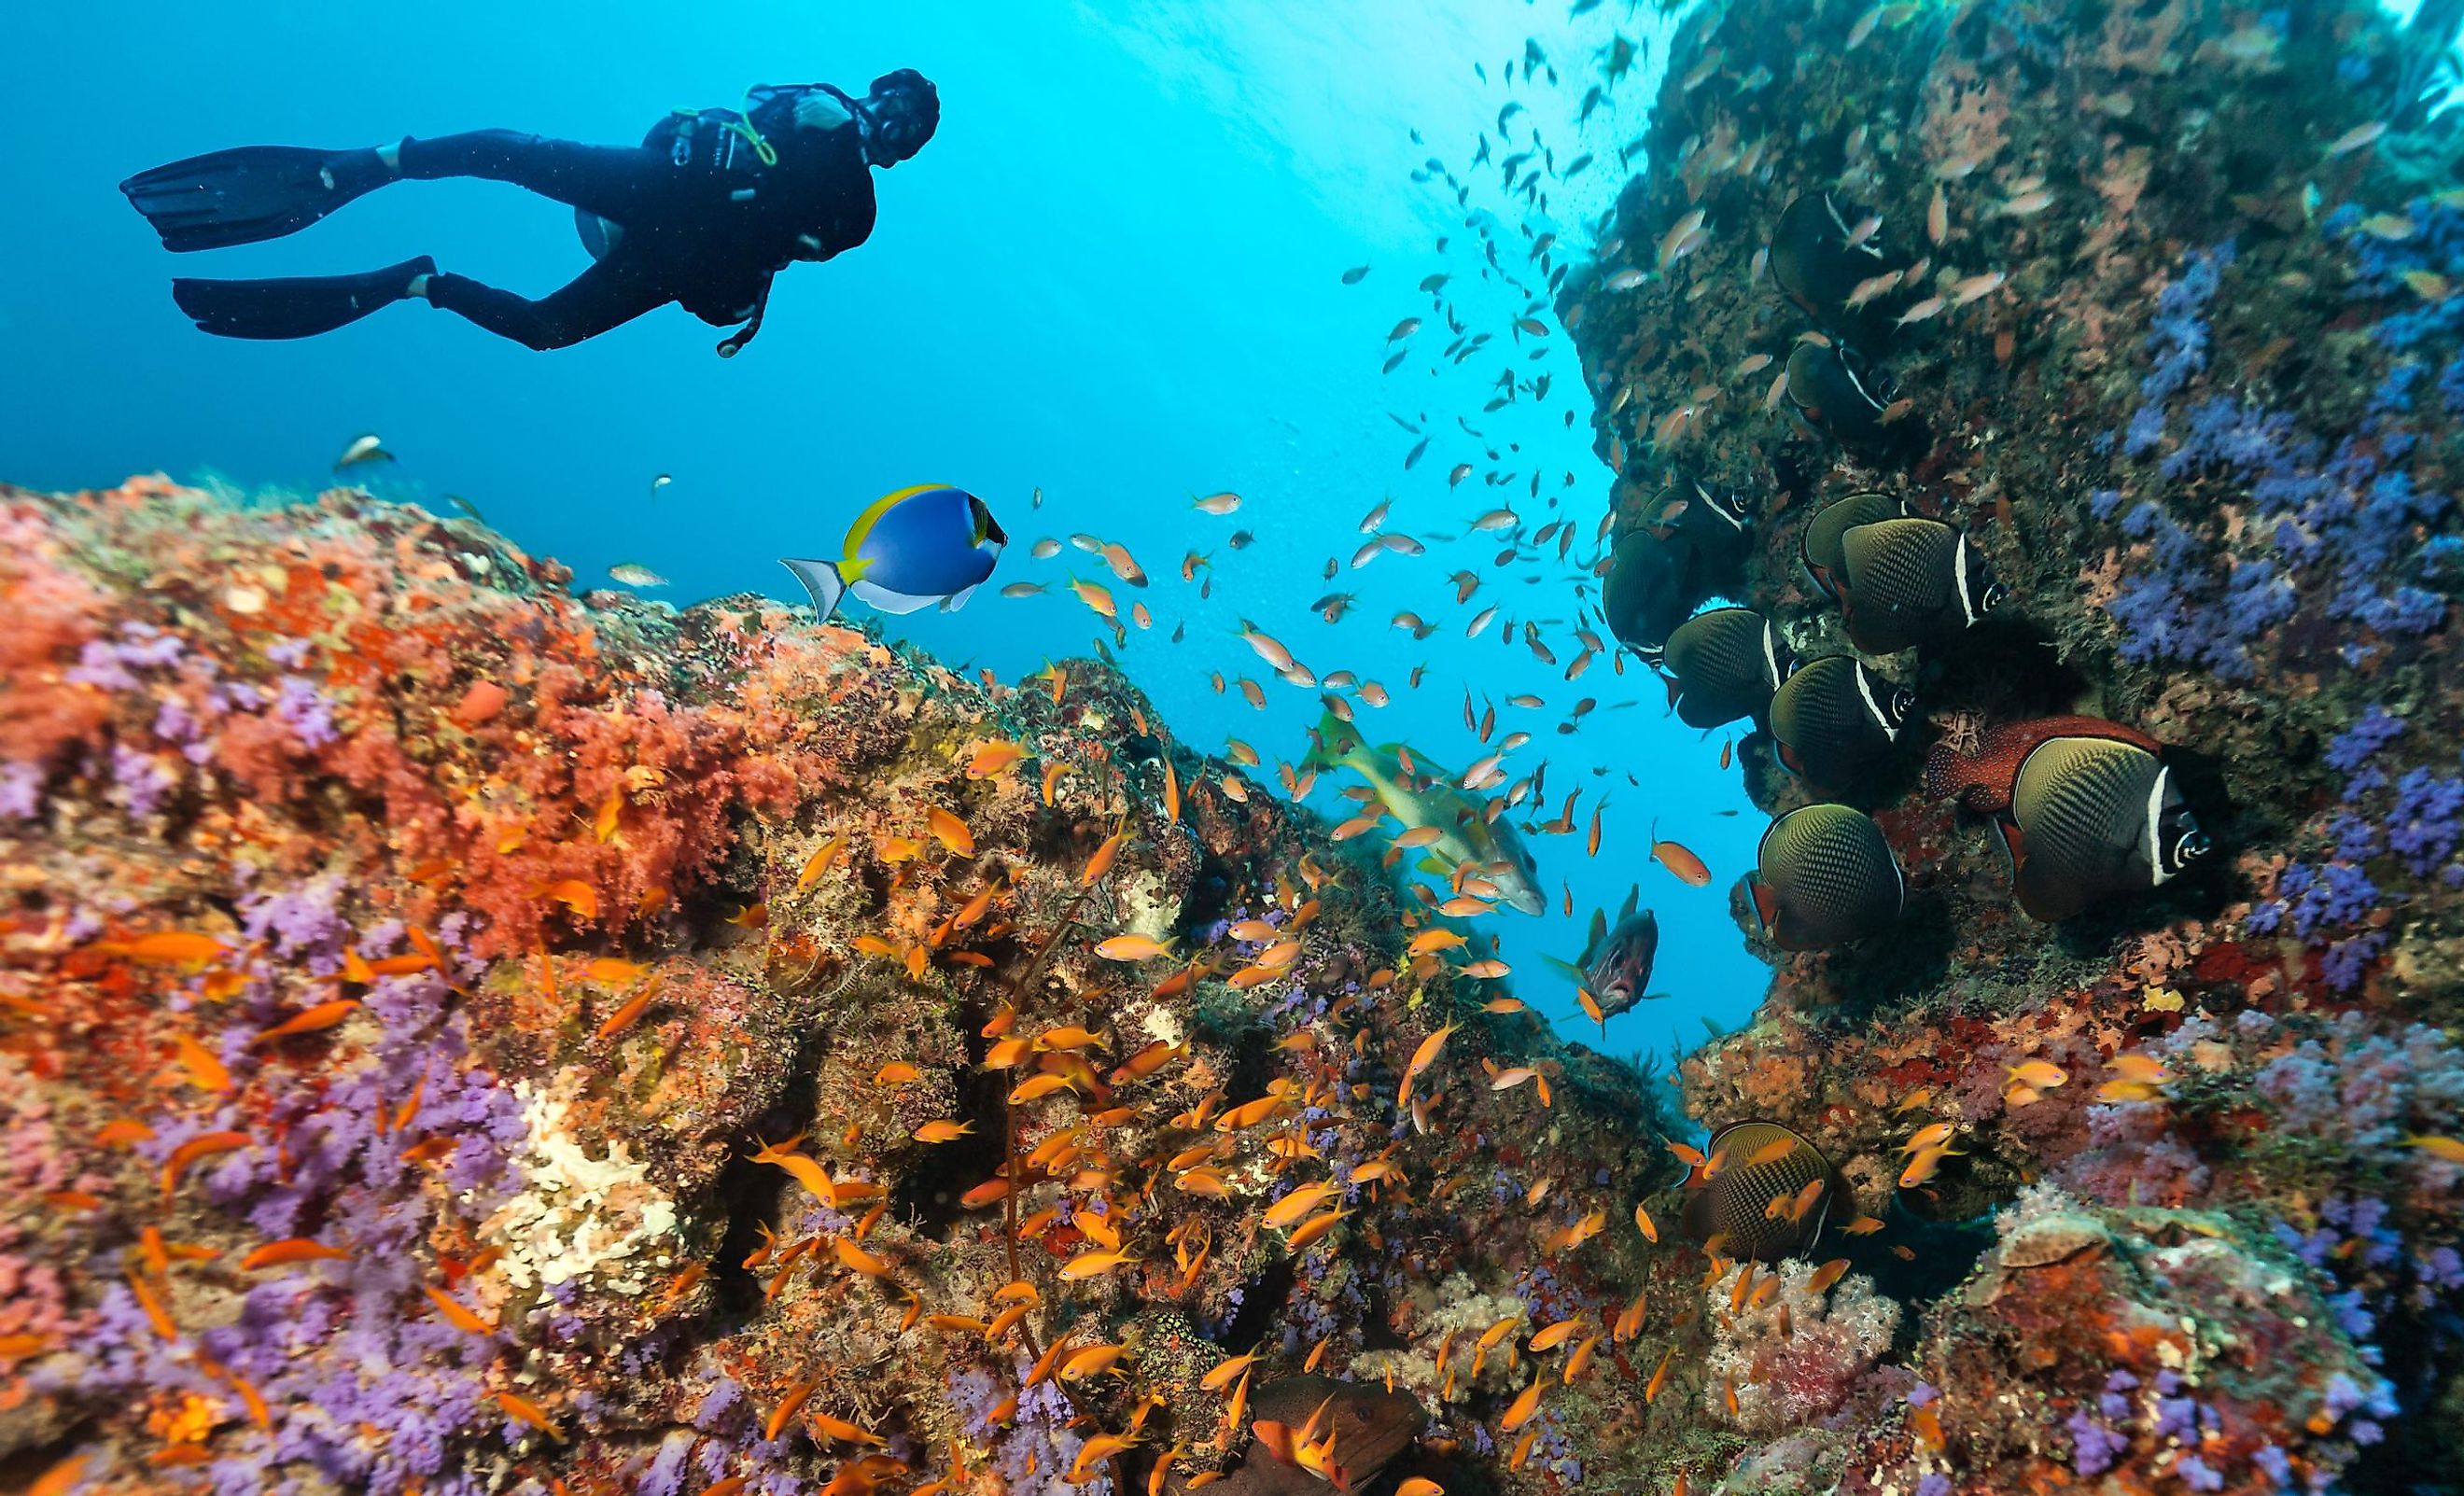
[459, 1036]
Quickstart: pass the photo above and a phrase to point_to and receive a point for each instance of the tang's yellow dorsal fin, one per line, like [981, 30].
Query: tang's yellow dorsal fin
[851, 567]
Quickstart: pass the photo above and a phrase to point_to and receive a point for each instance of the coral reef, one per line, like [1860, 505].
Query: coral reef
[456, 1036]
[2167, 305]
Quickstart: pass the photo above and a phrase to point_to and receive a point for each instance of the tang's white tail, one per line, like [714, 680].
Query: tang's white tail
[823, 580]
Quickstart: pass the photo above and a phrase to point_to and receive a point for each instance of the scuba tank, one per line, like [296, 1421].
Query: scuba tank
[721, 144]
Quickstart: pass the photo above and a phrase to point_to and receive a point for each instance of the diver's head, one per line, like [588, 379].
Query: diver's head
[903, 110]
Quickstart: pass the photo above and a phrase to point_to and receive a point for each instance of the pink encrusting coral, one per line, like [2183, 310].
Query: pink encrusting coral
[1801, 1353]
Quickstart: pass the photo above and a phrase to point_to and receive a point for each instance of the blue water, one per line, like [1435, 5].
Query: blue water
[1114, 275]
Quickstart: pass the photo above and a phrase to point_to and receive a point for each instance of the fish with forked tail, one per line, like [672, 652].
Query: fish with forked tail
[1616, 964]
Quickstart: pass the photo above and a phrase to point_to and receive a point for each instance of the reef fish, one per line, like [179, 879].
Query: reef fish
[1725, 662]
[1646, 594]
[1980, 777]
[1834, 719]
[1760, 1162]
[1819, 550]
[1426, 795]
[1717, 522]
[2091, 817]
[1844, 395]
[918, 546]
[1616, 964]
[1824, 877]
[1823, 249]
[1911, 580]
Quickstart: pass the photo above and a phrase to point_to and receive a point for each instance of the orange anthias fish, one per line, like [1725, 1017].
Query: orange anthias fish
[1423, 1058]
[1690, 869]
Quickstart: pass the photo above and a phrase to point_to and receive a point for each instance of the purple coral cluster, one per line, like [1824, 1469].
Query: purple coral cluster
[365, 1385]
[1034, 1454]
[2413, 820]
[2386, 264]
[2345, 527]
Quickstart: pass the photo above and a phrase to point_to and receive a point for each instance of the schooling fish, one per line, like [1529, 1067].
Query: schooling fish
[1834, 719]
[1467, 835]
[1717, 522]
[1824, 877]
[1765, 1161]
[1845, 396]
[2092, 817]
[1819, 257]
[1818, 549]
[918, 546]
[1980, 777]
[1724, 663]
[1647, 592]
[1911, 579]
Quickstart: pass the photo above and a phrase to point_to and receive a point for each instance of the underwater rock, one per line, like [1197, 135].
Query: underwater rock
[452, 1027]
[2177, 354]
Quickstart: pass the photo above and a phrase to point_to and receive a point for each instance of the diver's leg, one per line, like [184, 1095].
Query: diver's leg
[619, 182]
[614, 291]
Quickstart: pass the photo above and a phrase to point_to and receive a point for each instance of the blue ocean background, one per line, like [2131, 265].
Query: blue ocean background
[1114, 276]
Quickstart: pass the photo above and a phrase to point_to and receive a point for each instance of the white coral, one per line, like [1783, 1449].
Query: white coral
[579, 1217]
[1457, 1307]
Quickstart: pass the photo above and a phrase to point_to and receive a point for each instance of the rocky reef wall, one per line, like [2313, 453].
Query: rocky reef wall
[456, 1036]
[2155, 304]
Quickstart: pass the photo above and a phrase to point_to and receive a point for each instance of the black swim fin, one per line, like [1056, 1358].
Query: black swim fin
[296, 307]
[250, 193]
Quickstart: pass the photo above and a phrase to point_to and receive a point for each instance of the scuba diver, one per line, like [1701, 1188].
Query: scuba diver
[703, 213]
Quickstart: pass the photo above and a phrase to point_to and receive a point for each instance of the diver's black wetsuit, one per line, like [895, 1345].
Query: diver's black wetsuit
[705, 223]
